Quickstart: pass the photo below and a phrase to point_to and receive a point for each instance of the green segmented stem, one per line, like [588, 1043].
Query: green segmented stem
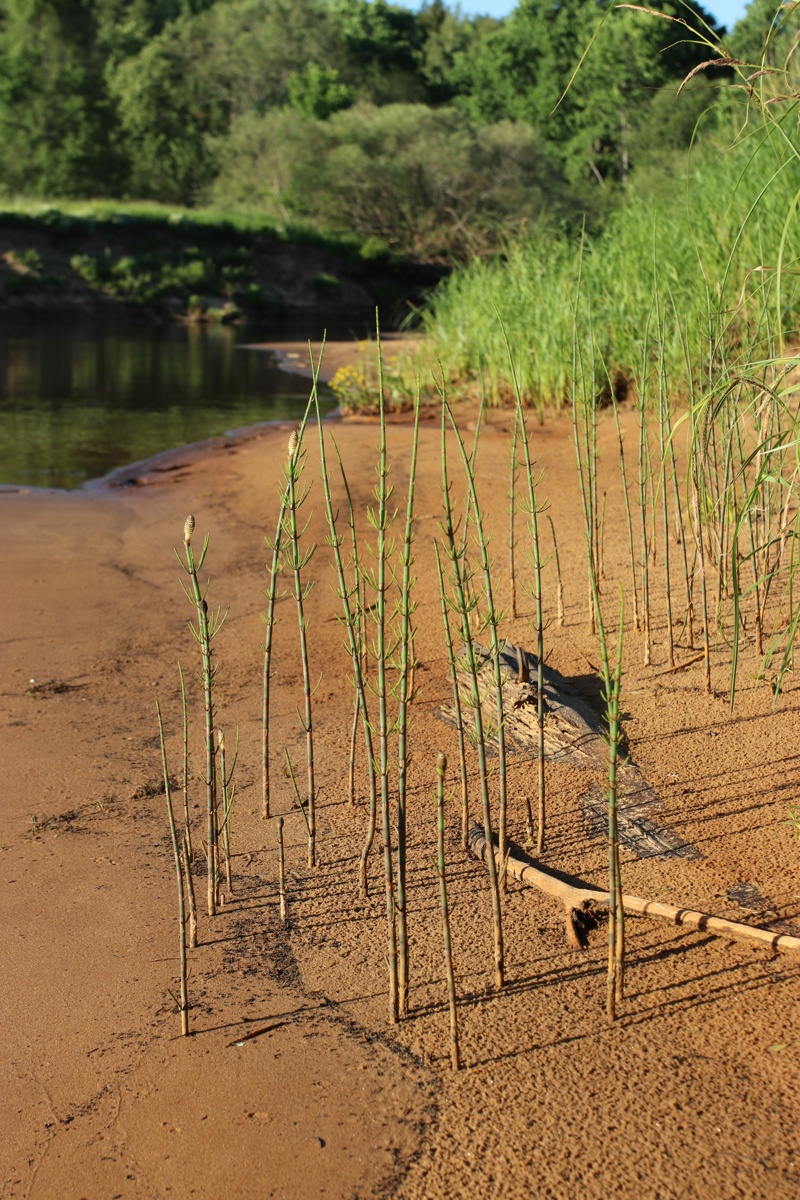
[455, 1055]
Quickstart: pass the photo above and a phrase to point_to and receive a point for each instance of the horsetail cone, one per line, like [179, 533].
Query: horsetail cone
[293, 440]
[188, 530]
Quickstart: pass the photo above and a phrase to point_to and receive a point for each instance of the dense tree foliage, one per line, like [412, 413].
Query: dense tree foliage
[428, 132]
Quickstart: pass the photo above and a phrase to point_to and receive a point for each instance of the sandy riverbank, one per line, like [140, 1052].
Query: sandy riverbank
[693, 1093]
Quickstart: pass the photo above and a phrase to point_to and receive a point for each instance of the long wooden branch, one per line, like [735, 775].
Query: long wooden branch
[575, 895]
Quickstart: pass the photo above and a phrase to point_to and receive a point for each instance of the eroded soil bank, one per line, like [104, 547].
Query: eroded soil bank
[693, 1092]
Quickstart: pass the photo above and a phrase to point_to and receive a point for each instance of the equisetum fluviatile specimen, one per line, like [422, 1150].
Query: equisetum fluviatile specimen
[183, 1006]
[441, 768]
[208, 626]
[350, 596]
[403, 664]
[451, 658]
[612, 676]
[295, 561]
[463, 609]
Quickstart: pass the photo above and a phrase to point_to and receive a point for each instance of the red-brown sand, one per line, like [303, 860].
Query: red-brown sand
[693, 1092]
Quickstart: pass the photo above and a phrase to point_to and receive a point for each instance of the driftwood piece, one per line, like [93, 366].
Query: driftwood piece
[576, 896]
[574, 734]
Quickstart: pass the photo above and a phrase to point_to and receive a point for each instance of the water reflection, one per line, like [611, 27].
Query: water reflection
[78, 400]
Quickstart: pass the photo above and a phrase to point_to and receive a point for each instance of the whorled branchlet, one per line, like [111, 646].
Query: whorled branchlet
[188, 530]
[293, 440]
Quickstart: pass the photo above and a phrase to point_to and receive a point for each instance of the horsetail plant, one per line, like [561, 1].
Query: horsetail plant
[463, 607]
[312, 858]
[451, 658]
[380, 519]
[628, 515]
[533, 509]
[295, 561]
[559, 580]
[187, 868]
[663, 434]
[186, 822]
[455, 1056]
[274, 544]
[184, 1001]
[351, 604]
[268, 618]
[512, 498]
[228, 791]
[616, 912]
[403, 662]
[491, 621]
[208, 626]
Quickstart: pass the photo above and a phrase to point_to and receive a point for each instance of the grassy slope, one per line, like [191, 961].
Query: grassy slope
[149, 258]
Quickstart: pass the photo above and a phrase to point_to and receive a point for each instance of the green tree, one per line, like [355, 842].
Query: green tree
[318, 91]
[522, 70]
[381, 50]
[186, 85]
[415, 179]
[56, 123]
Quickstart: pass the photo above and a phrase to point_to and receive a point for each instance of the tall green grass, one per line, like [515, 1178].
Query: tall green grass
[719, 258]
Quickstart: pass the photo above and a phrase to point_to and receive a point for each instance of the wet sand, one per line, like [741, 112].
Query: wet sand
[692, 1092]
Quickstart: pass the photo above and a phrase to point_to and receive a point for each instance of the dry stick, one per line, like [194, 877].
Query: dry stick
[455, 1057]
[296, 562]
[406, 609]
[475, 700]
[559, 581]
[492, 620]
[451, 658]
[186, 823]
[281, 870]
[204, 635]
[511, 511]
[575, 896]
[356, 635]
[184, 1002]
[628, 515]
[187, 868]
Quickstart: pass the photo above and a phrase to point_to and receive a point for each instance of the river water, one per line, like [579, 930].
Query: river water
[79, 399]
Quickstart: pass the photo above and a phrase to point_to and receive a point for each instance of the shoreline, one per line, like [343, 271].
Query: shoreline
[135, 474]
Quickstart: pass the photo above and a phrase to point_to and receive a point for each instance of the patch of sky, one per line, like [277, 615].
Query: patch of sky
[727, 12]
